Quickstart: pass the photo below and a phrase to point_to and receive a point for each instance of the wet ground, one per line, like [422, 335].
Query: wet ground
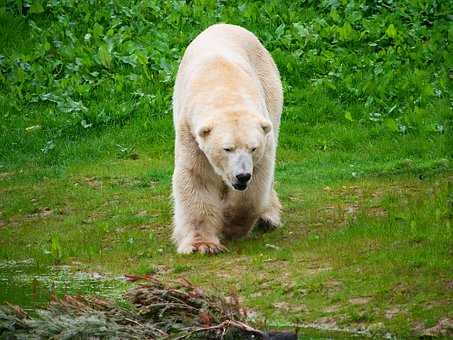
[29, 285]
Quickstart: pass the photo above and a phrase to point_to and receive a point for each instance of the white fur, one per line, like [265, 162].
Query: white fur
[227, 95]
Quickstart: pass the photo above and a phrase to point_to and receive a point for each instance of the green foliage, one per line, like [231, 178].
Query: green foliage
[85, 70]
[55, 249]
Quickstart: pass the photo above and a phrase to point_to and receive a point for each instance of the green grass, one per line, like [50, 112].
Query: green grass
[364, 162]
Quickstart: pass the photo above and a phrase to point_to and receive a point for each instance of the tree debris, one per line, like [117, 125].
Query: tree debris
[175, 310]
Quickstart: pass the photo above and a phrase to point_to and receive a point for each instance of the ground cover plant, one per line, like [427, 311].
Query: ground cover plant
[363, 170]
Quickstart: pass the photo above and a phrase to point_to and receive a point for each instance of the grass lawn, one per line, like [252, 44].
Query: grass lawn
[363, 172]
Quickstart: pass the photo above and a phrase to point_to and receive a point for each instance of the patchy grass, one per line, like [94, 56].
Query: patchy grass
[373, 251]
[364, 163]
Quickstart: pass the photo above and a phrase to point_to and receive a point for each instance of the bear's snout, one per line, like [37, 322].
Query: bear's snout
[240, 187]
[243, 178]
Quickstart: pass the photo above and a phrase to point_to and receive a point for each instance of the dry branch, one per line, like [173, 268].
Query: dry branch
[177, 310]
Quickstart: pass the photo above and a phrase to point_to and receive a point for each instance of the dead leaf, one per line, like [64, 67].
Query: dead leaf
[206, 319]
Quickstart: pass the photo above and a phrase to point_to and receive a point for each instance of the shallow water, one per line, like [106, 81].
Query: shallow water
[29, 285]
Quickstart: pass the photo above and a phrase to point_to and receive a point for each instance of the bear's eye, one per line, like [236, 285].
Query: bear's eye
[253, 149]
[228, 149]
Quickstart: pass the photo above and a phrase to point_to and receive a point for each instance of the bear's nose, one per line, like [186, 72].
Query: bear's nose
[243, 178]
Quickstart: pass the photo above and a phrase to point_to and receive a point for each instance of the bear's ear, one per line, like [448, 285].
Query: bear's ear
[204, 131]
[267, 126]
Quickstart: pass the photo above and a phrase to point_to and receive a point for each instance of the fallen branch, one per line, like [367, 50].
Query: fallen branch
[177, 310]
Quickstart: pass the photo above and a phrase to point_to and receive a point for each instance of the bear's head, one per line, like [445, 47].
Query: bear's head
[233, 145]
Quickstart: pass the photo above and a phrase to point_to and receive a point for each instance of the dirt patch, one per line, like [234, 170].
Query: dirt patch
[449, 285]
[93, 217]
[444, 327]
[334, 285]
[316, 271]
[418, 326]
[400, 289]
[333, 309]
[360, 300]
[392, 312]
[283, 306]
[43, 212]
[376, 212]
[142, 213]
[38, 213]
[93, 182]
[433, 304]
[326, 322]
[351, 208]
[5, 175]
[96, 182]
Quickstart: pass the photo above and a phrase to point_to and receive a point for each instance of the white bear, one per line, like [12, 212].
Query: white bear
[227, 103]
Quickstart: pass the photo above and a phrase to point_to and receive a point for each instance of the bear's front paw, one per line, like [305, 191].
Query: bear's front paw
[196, 243]
[205, 247]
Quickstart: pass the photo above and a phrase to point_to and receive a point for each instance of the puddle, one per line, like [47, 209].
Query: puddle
[29, 285]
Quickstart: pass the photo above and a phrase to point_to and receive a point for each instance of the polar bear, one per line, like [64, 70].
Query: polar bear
[227, 103]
